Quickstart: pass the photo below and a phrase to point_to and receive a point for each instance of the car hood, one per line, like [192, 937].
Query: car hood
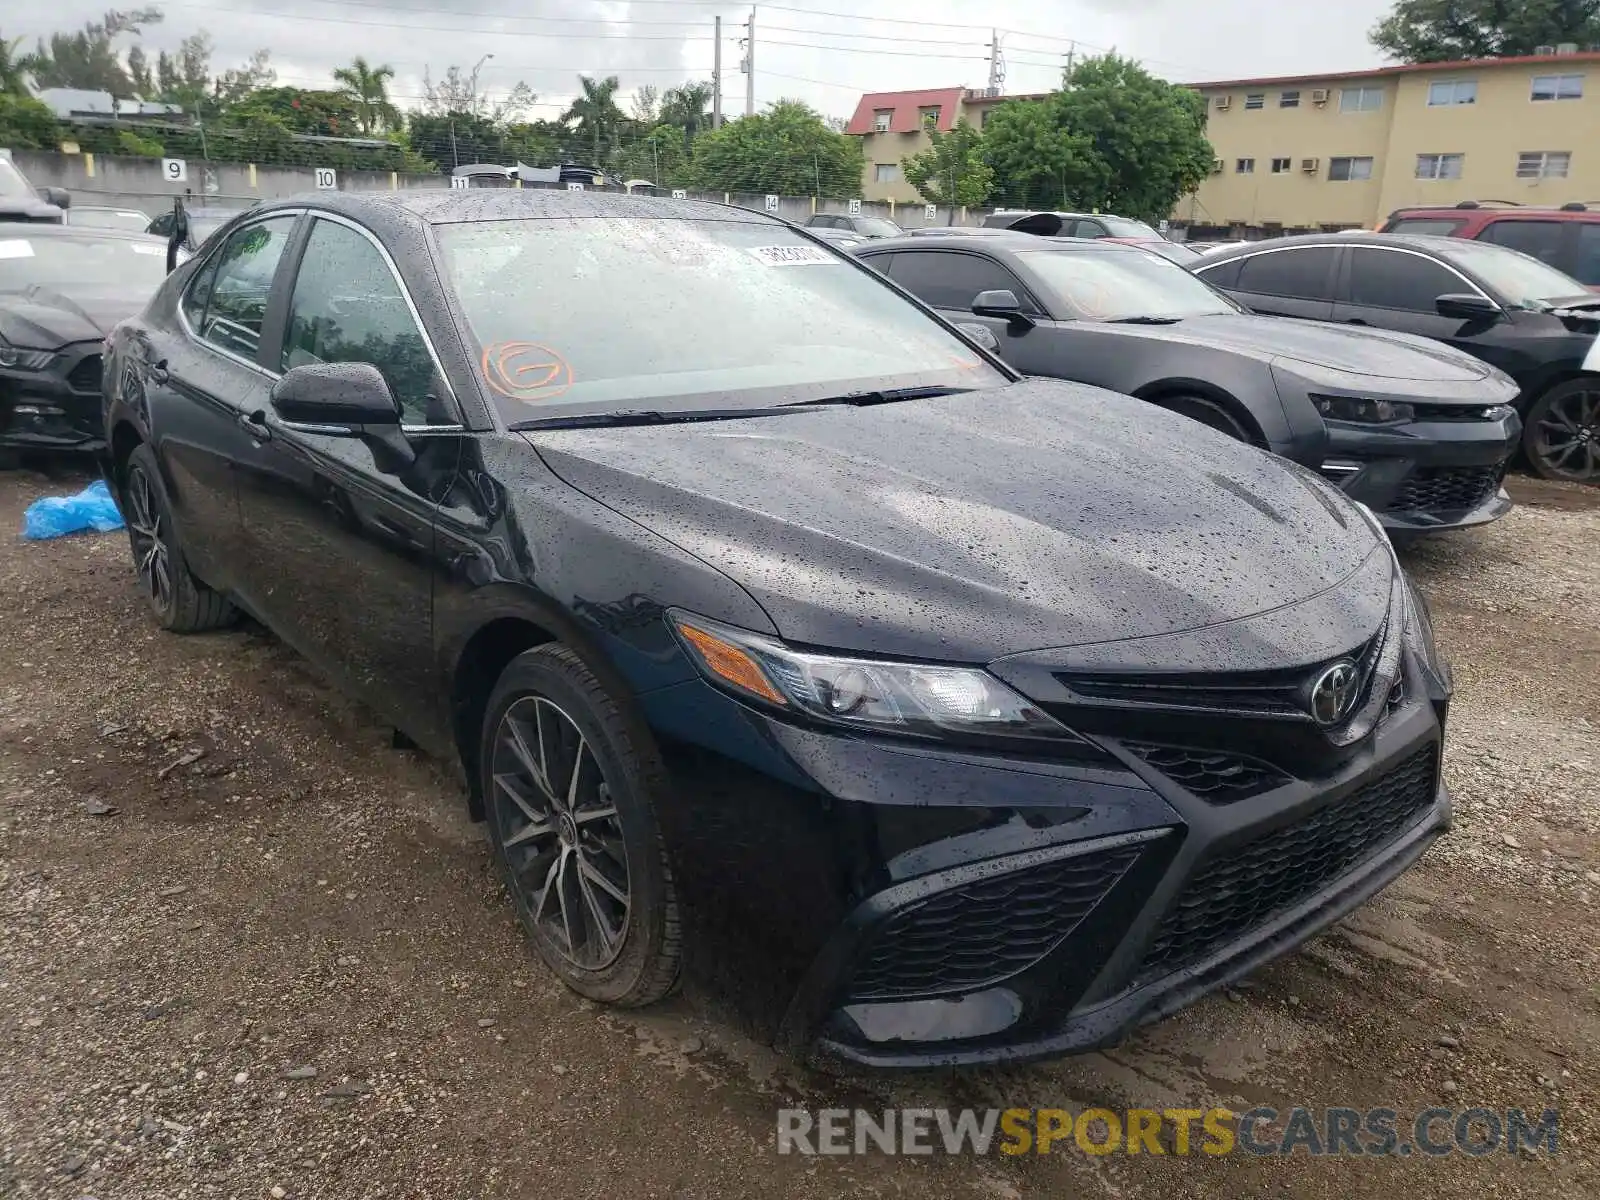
[26, 208]
[1376, 353]
[43, 318]
[964, 528]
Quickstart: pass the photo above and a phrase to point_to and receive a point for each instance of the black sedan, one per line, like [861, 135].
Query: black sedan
[822, 660]
[1507, 308]
[62, 288]
[1416, 431]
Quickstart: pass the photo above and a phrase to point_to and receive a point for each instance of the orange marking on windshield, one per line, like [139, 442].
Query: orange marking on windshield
[525, 371]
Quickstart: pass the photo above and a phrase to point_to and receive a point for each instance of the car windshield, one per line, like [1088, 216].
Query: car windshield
[1121, 285]
[1522, 280]
[1176, 251]
[878, 227]
[108, 218]
[80, 261]
[1124, 227]
[583, 315]
[12, 183]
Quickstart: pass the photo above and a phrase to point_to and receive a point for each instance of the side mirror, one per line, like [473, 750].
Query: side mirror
[981, 334]
[1466, 306]
[336, 393]
[60, 197]
[177, 235]
[1001, 303]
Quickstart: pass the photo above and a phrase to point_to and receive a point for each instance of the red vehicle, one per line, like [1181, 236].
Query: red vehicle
[1567, 238]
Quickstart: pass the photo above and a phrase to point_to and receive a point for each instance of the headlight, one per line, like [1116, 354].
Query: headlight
[1366, 412]
[17, 359]
[911, 699]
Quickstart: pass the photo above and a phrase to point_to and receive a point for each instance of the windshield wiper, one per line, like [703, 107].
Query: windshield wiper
[1144, 320]
[879, 396]
[641, 417]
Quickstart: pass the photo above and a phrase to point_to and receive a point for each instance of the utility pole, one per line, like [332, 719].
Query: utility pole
[716, 79]
[997, 65]
[1072, 52]
[750, 65]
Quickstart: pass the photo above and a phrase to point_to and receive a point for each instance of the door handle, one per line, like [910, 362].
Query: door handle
[255, 424]
[157, 371]
[1354, 321]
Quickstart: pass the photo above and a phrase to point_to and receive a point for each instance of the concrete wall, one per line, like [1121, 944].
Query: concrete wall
[117, 182]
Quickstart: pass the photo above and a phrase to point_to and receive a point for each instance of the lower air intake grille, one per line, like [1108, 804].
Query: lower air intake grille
[1216, 777]
[979, 933]
[85, 377]
[1444, 489]
[1250, 885]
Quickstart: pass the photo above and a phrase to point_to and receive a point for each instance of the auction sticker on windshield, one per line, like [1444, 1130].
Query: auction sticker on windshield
[16, 249]
[793, 256]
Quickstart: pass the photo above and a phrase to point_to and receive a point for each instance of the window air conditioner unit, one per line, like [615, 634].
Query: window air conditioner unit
[1320, 96]
[1311, 165]
[1544, 50]
[1566, 47]
[1216, 166]
[1224, 102]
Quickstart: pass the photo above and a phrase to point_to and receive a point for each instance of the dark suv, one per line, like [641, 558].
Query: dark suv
[1567, 238]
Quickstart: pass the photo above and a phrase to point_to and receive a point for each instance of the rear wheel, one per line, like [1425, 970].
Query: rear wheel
[180, 602]
[1209, 413]
[1561, 435]
[571, 787]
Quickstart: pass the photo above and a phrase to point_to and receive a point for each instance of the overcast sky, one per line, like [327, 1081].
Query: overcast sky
[829, 60]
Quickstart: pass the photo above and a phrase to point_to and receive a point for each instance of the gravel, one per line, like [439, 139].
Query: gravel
[302, 904]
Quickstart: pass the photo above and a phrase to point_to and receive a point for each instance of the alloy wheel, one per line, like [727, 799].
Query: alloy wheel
[151, 554]
[560, 833]
[1567, 438]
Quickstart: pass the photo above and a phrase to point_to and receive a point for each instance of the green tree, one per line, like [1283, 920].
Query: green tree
[687, 107]
[26, 124]
[1115, 139]
[594, 114]
[1447, 30]
[14, 68]
[235, 86]
[458, 92]
[951, 171]
[368, 86]
[184, 78]
[323, 113]
[646, 104]
[139, 77]
[788, 149]
[88, 58]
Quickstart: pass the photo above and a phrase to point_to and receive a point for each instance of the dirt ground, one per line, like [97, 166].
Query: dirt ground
[285, 967]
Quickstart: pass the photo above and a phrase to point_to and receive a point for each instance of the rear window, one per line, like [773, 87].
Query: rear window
[574, 315]
[1436, 226]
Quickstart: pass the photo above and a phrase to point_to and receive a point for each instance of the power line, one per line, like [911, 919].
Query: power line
[874, 51]
[847, 87]
[529, 33]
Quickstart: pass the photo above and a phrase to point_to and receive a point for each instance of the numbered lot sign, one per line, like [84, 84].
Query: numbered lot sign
[930, 213]
[772, 204]
[855, 208]
[327, 178]
[574, 187]
[679, 194]
[174, 170]
[460, 181]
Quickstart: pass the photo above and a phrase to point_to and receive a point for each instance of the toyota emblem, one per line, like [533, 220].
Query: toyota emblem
[1333, 694]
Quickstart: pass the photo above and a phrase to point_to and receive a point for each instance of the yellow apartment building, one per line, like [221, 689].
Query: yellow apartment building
[1317, 152]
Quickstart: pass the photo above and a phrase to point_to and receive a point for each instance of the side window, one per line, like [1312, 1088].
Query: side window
[198, 295]
[1438, 226]
[1300, 274]
[1224, 275]
[1542, 239]
[347, 306]
[240, 284]
[1389, 279]
[950, 279]
[1585, 266]
[880, 263]
[1089, 229]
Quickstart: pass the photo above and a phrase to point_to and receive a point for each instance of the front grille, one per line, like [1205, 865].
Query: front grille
[1257, 881]
[977, 934]
[1215, 776]
[85, 377]
[1443, 489]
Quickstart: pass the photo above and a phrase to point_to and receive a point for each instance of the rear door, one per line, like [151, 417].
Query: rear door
[1391, 288]
[1553, 243]
[950, 280]
[1297, 281]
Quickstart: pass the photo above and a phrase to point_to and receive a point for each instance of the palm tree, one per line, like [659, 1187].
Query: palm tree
[686, 107]
[14, 68]
[595, 111]
[368, 86]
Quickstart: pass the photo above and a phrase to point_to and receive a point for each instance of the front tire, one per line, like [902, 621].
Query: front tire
[1561, 434]
[180, 602]
[570, 790]
[1209, 413]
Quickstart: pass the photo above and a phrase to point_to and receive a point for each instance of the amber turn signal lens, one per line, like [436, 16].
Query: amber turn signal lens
[730, 663]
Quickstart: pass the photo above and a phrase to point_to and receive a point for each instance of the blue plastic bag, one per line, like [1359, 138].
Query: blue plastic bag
[56, 516]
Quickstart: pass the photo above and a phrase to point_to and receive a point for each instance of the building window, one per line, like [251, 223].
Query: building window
[1557, 87]
[1360, 99]
[1280, 166]
[1288, 99]
[886, 172]
[1255, 100]
[928, 118]
[1342, 170]
[880, 120]
[1543, 164]
[1439, 166]
[1245, 166]
[1447, 92]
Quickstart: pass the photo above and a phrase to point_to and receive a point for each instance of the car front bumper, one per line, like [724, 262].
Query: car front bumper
[903, 906]
[57, 408]
[1427, 474]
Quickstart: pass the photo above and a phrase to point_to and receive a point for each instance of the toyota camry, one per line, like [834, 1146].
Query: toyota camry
[788, 642]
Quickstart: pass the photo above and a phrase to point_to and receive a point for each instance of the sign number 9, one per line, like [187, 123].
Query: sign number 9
[174, 170]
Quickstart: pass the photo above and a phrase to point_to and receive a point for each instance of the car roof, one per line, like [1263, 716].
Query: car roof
[449, 206]
[1426, 242]
[1490, 212]
[1004, 239]
[16, 230]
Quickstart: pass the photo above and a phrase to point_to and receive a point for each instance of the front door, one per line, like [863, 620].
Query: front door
[340, 528]
[1399, 289]
[950, 280]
